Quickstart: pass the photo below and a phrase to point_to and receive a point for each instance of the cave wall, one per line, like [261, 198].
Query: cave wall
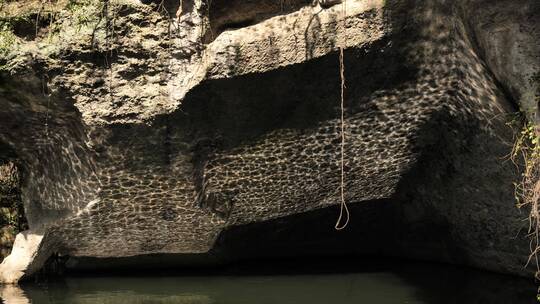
[141, 135]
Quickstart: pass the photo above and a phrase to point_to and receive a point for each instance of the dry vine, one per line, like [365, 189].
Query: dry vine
[527, 149]
[109, 44]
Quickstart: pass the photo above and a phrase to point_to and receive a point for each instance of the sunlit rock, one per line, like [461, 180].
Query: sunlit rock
[187, 130]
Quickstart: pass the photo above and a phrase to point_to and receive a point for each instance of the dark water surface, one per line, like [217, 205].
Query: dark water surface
[287, 283]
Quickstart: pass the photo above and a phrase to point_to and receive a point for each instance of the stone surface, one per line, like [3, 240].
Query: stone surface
[155, 128]
[503, 34]
[27, 251]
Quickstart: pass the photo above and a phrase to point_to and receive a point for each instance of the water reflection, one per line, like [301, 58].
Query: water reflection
[11, 294]
[412, 284]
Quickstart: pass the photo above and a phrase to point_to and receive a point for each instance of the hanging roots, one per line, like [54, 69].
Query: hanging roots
[344, 210]
[527, 190]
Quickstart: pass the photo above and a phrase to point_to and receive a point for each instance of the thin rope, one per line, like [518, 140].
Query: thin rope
[46, 92]
[343, 210]
[109, 46]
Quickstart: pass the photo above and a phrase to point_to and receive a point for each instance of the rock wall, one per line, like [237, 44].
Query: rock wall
[152, 128]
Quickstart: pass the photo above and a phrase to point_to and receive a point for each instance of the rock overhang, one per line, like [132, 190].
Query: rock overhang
[148, 154]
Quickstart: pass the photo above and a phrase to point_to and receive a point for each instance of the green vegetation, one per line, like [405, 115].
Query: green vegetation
[12, 219]
[8, 40]
[526, 154]
[85, 13]
[48, 24]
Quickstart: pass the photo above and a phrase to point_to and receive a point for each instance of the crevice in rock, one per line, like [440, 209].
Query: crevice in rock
[169, 7]
[226, 15]
[238, 25]
[53, 268]
[32, 26]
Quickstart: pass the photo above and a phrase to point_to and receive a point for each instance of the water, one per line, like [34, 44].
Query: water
[411, 283]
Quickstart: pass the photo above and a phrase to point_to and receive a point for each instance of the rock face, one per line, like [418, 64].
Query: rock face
[154, 128]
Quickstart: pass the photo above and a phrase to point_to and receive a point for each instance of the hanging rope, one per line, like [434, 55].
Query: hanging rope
[46, 93]
[343, 210]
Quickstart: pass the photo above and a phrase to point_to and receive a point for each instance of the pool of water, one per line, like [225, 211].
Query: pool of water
[405, 283]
